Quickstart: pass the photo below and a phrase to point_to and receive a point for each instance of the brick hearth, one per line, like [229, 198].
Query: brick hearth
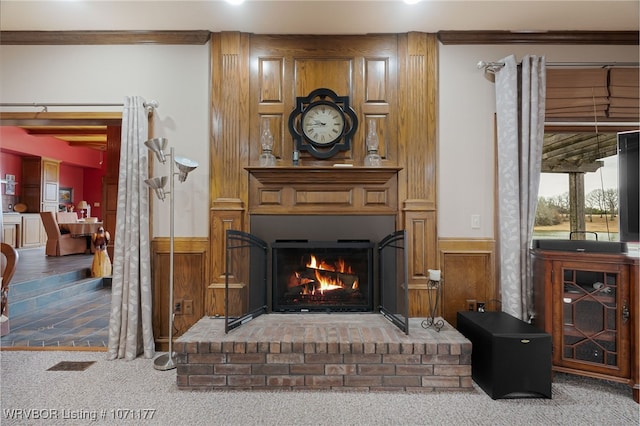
[322, 351]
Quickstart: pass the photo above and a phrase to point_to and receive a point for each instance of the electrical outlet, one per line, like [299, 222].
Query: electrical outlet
[177, 307]
[471, 304]
[187, 307]
[480, 306]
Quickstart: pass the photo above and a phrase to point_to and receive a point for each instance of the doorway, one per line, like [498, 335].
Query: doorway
[99, 131]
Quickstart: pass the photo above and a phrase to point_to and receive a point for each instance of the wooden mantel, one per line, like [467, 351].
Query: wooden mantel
[323, 175]
[323, 190]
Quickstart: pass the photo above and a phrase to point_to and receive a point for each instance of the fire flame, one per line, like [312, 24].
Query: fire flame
[340, 266]
[327, 283]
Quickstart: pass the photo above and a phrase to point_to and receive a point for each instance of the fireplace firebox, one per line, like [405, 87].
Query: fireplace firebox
[315, 276]
[322, 276]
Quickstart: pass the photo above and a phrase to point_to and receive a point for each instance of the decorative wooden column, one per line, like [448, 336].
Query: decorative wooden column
[417, 143]
[229, 153]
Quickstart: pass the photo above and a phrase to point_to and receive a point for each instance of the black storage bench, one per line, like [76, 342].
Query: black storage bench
[509, 358]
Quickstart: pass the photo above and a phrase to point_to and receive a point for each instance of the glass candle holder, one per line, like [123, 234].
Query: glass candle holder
[372, 159]
[267, 159]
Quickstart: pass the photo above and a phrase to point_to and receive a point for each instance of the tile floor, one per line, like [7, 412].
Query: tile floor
[78, 322]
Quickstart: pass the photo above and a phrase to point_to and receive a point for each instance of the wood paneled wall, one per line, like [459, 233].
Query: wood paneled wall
[391, 79]
[190, 267]
[469, 271]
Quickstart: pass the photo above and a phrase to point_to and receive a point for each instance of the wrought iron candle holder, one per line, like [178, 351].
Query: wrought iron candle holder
[434, 292]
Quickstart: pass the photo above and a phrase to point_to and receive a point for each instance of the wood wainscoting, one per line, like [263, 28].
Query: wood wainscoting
[190, 265]
[469, 273]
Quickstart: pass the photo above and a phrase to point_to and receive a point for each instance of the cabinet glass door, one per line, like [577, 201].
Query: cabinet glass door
[589, 316]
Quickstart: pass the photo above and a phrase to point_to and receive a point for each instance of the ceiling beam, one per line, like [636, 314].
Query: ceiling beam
[60, 118]
[103, 37]
[565, 166]
[202, 37]
[569, 145]
[60, 131]
[540, 37]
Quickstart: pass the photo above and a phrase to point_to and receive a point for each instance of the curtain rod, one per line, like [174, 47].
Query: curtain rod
[149, 106]
[497, 66]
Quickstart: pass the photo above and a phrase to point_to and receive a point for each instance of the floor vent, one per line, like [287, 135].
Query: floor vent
[71, 366]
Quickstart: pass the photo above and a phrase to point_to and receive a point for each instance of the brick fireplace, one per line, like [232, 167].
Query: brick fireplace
[339, 350]
[361, 352]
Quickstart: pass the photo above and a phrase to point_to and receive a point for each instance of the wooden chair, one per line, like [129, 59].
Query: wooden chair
[66, 217]
[9, 261]
[59, 244]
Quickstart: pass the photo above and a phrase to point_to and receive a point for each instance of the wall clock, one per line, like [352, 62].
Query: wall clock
[323, 123]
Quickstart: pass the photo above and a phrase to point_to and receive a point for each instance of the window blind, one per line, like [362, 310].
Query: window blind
[599, 93]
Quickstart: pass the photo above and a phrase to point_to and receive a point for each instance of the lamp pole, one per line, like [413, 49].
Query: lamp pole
[168, 362]
[185, 166]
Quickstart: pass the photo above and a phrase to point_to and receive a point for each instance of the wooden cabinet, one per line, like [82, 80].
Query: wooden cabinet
[40, 184]
[588, 302]
[23, 230]
[9, 234]
[33, 233]
[11, 225]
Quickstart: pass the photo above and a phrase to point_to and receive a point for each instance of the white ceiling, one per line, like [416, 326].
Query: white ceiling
[320, 17]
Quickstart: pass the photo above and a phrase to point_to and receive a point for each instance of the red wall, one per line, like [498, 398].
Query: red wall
[81, 169]
[17, 141]
[11, 164]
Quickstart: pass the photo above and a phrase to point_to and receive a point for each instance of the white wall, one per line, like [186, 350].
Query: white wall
[175, 76]
[466, 132]
[178, 78]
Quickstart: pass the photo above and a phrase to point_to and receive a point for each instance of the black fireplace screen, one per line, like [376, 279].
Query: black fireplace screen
[322, 276]
[246, 271]
[316, 276]
[394, 289]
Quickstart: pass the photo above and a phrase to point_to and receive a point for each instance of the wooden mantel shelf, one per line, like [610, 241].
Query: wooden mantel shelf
[357, 175]
[323, 190]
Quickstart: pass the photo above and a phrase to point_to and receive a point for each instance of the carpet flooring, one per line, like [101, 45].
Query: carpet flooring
[133, 392]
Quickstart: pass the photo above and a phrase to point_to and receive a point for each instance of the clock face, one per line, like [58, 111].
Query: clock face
[323, 123]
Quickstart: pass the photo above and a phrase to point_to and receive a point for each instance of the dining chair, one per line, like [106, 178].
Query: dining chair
[8, 262]
[59, 244]
[66, 217]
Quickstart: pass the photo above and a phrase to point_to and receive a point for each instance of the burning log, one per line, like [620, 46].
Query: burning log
[311, 281]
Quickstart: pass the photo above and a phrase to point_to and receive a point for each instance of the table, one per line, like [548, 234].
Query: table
[509, 358]
[81, 229]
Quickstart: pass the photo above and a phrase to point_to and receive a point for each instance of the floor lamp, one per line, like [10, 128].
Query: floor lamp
[184, 166]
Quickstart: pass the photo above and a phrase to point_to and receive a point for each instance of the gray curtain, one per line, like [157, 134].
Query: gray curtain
[130, 323]
[520, 106]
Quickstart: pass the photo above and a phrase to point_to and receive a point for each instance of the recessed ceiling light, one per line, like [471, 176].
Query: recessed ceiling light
[411, 1]
[235, 1]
